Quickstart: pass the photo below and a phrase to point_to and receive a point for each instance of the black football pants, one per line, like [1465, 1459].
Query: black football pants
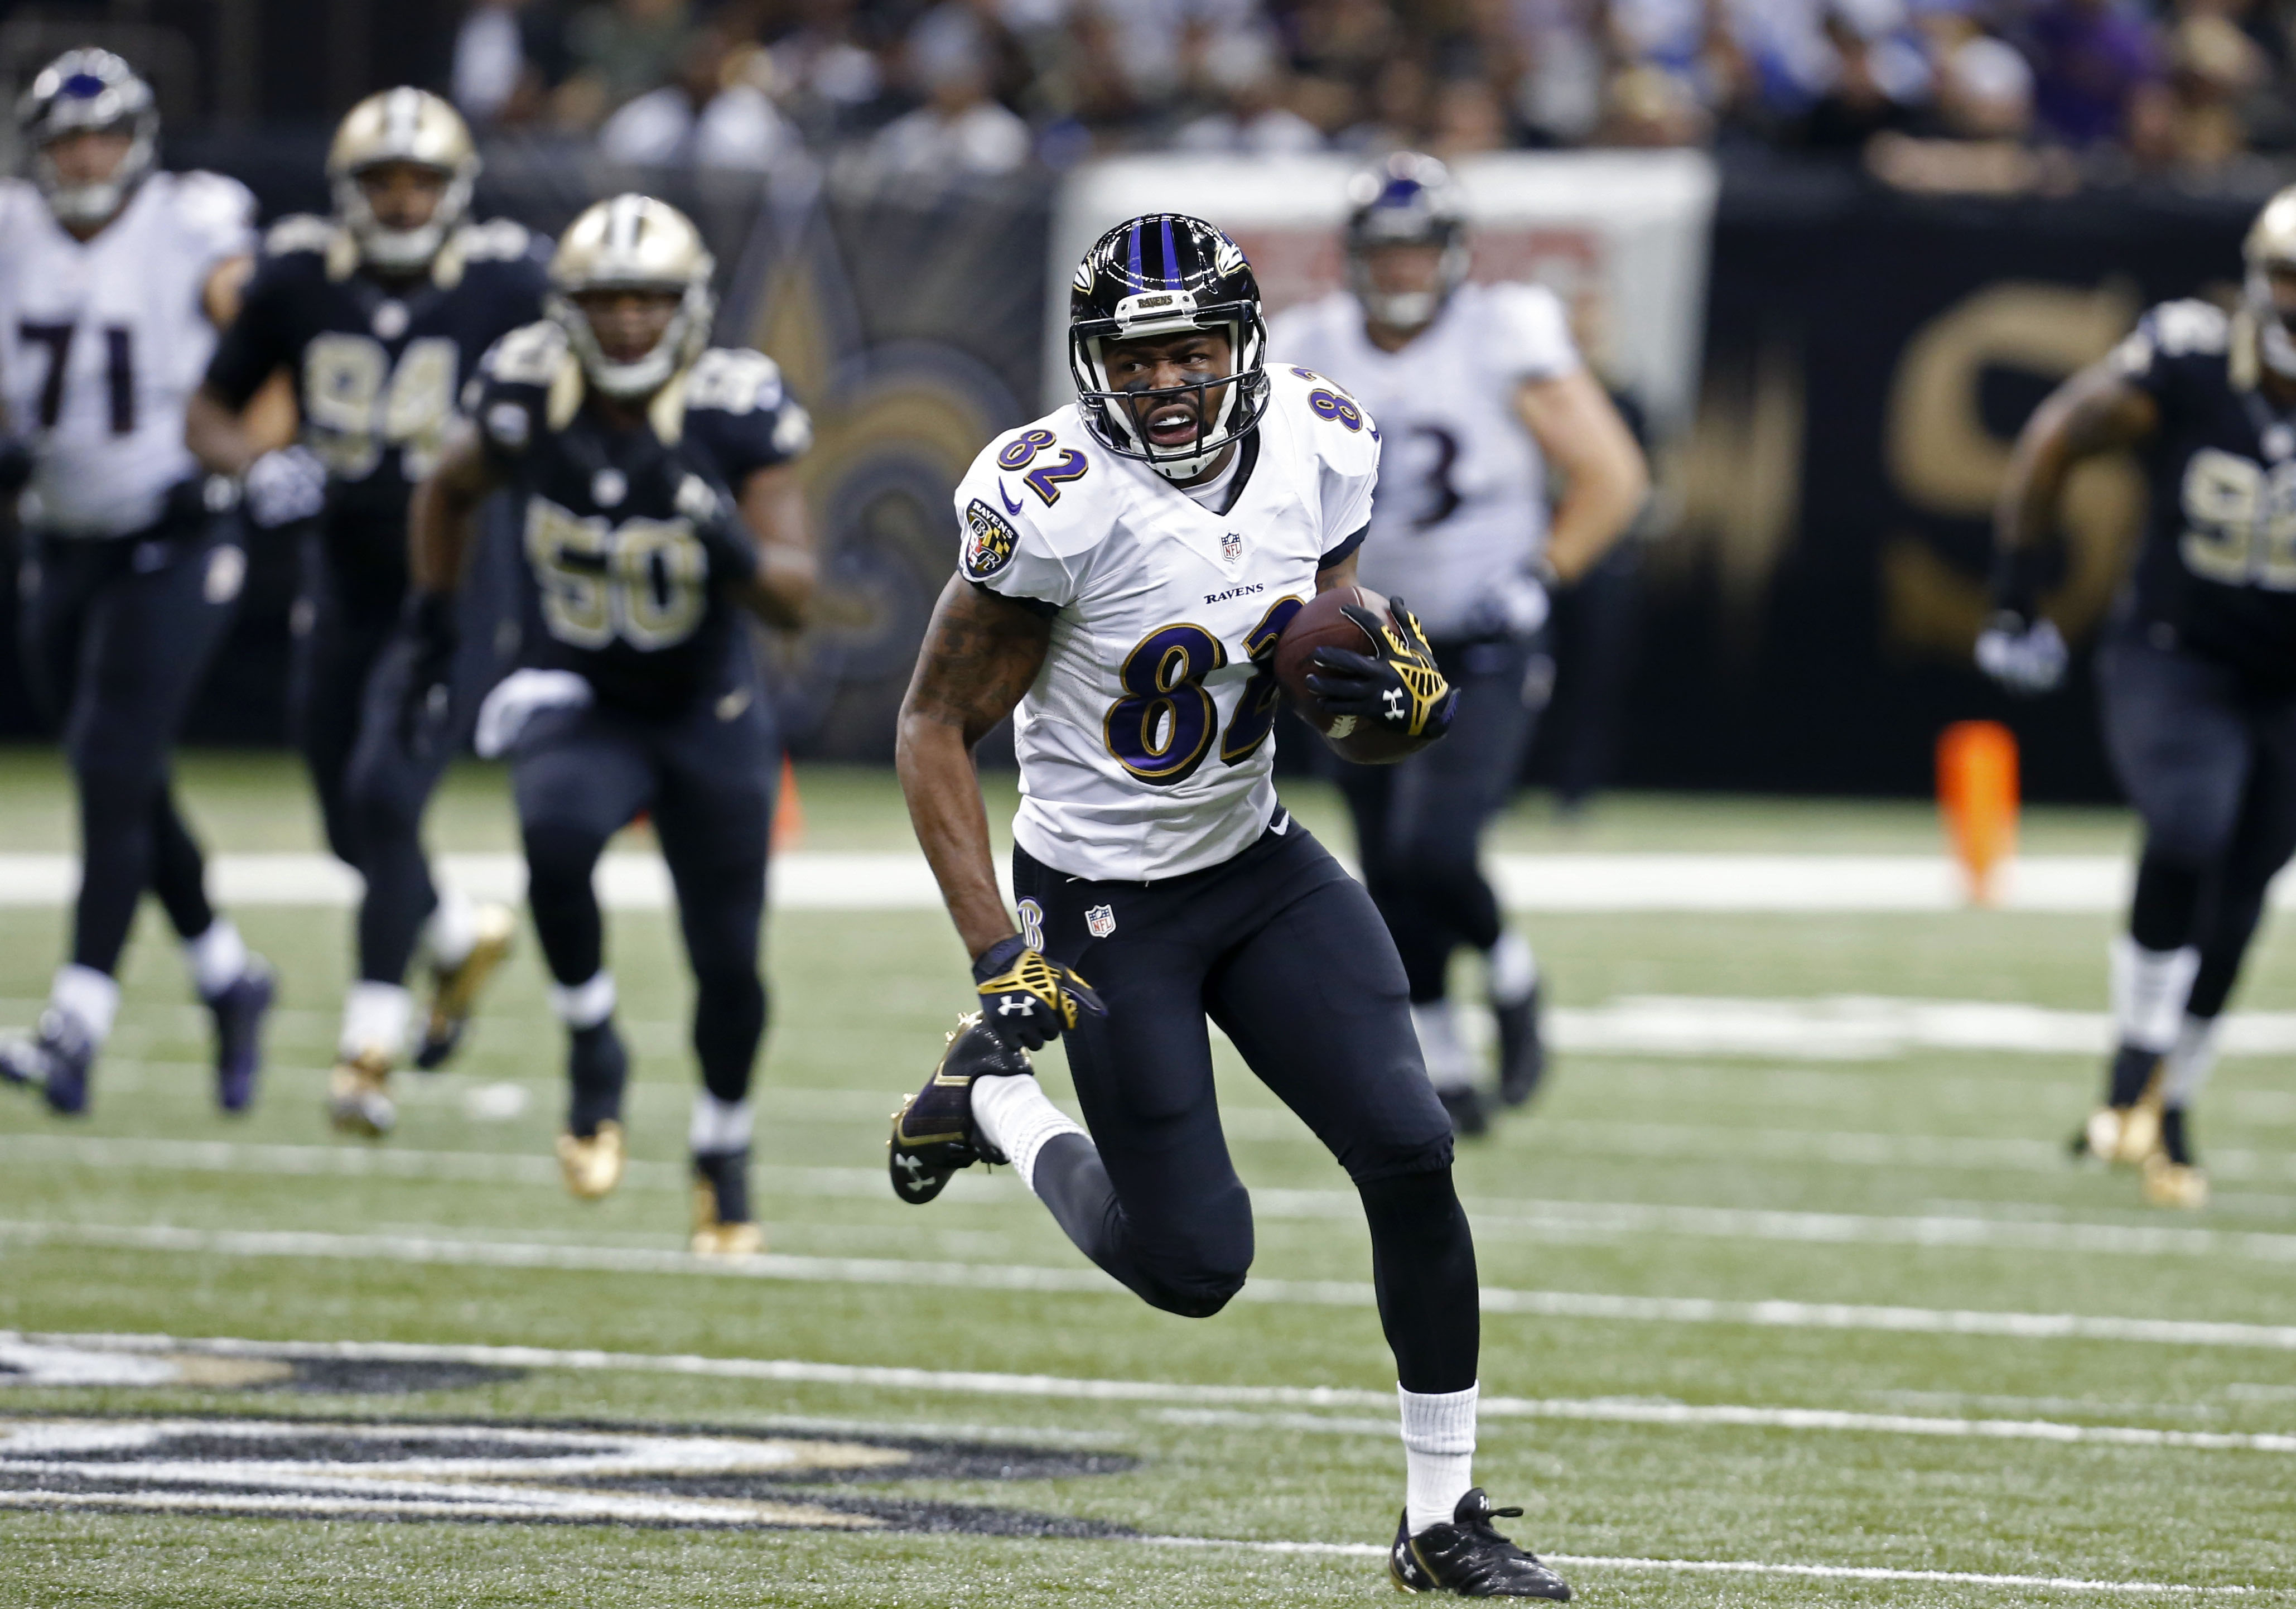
[2209, 760]
[351, 671]
[1418, 823]
[1286, 953]
[708, 776]
[116, 635]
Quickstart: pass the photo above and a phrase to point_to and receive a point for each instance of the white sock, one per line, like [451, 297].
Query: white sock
[374, 1019]
[218, 958]
[88, 998]
[585, 1005]
[717, 1126]
[452, 930]
[1513, 969]
[2149, 986]
[1438, 1453]
[2190, 1059]
[1449, 1066]
[1017, 1117]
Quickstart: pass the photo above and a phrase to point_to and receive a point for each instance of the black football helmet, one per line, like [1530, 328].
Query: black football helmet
[82, 91]
[1159, 275]
[1409, 199]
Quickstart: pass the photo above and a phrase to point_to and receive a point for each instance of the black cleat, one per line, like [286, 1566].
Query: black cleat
[239, 1012]
[1470, 1558]
[1522, 1052]
[933, 1134]
[1470, 1115]
[58, 1062]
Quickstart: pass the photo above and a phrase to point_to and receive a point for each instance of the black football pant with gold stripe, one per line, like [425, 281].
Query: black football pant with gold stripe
[1284, 952]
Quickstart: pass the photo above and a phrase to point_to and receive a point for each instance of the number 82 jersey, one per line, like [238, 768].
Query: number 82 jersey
[1146, 745]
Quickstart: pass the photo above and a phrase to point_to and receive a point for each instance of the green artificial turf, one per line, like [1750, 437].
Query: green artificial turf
[1875, 1147]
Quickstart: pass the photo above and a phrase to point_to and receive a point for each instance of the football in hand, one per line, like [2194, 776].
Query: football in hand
[1321, 624]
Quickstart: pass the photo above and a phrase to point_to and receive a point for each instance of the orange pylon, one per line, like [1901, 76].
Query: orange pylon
[789, 812]
[1977, 794]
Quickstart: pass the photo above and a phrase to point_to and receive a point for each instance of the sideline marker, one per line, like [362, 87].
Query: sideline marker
[788, 810]
[1977, 795]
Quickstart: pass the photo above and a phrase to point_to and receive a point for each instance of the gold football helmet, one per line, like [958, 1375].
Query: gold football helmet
[402, 126]
[2270, 249]
[634, 242]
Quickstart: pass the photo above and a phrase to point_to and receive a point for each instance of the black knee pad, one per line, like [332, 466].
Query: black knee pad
[1191, 1293]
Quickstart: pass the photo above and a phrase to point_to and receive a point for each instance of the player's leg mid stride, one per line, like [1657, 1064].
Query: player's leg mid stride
[130, 577]
[1190, 503]
[655, 482]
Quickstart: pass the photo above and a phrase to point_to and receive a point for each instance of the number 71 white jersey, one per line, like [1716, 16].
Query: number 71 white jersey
[103, 342]
[1146, 745]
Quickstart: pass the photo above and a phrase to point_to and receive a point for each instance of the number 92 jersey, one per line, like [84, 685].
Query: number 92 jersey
[609, 514]
[377, 363]
[2217, 567]
[1146, 743]
[102, 342]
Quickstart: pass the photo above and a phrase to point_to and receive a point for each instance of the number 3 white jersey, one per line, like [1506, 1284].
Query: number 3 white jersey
[1146, 745]
[1463, 490]
[103, 342]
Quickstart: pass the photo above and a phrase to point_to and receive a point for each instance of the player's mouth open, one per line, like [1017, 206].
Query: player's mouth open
[1172, 426]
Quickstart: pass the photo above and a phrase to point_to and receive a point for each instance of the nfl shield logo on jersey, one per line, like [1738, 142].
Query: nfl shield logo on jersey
[1231, 547]
[1101, 920]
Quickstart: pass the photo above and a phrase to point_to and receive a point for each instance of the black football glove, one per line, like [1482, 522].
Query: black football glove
[1400, 689]
[718, 526]
[431, 637]
[1026, 998]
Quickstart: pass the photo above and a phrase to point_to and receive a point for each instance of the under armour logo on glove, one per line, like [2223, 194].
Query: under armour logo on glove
[1027, 999]
[1401, 689]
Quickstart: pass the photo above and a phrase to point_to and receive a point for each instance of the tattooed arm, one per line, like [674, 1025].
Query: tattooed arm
[981, 653]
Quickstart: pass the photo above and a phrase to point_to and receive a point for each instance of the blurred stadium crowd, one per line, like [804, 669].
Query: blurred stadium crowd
[1973, 96]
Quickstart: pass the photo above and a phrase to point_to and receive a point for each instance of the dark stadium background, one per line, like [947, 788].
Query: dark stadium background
[1811, 588]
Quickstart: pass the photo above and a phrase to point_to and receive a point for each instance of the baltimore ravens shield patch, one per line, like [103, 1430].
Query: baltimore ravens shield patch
[989, 541]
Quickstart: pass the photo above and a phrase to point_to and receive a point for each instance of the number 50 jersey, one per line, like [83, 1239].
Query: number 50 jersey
[608, 513]
[104, 340]
[1146, 745]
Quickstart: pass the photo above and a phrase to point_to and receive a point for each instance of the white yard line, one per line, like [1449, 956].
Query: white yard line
[1066, 1388]
[446, 1248]
[1495, 1217]
[899, 881]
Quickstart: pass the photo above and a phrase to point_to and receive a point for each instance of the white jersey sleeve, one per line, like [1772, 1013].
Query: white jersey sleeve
[214, 218]
[1529, 332]
[1016, 543]
[1345, 458]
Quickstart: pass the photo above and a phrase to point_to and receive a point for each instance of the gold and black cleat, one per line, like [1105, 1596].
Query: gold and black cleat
[592, 1164]
[933, 1132]
[2125, 1132]
[2172, 1174]
[454, 990]
[1467, 1556]
[722, 1224]
[358, 1095]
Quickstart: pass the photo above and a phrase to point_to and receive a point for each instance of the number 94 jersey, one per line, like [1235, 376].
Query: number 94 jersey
[1146, 745]
[2217, 571]
[104, 340]
[377, 363]
[609, 514]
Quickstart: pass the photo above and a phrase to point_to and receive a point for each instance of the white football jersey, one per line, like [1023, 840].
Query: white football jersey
[1463, 491]
[104, 342]
[1147, 743]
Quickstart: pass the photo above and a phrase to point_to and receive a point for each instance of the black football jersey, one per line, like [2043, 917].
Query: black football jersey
[624, 593]
[378, 364]
[2217, 567]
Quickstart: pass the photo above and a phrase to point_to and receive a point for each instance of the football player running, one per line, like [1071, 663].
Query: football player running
[379, 314]
[659, 499]
[113, 278]
[1479, 395]
[2196, 668]
[1129, 563]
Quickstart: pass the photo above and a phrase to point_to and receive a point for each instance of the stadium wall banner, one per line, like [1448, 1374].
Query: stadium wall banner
[1620, 235]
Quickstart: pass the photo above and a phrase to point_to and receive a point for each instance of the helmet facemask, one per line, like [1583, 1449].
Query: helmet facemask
[89, 92]
[1117, 412]
[681, 341]
[1408, 201]
[394, 250]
